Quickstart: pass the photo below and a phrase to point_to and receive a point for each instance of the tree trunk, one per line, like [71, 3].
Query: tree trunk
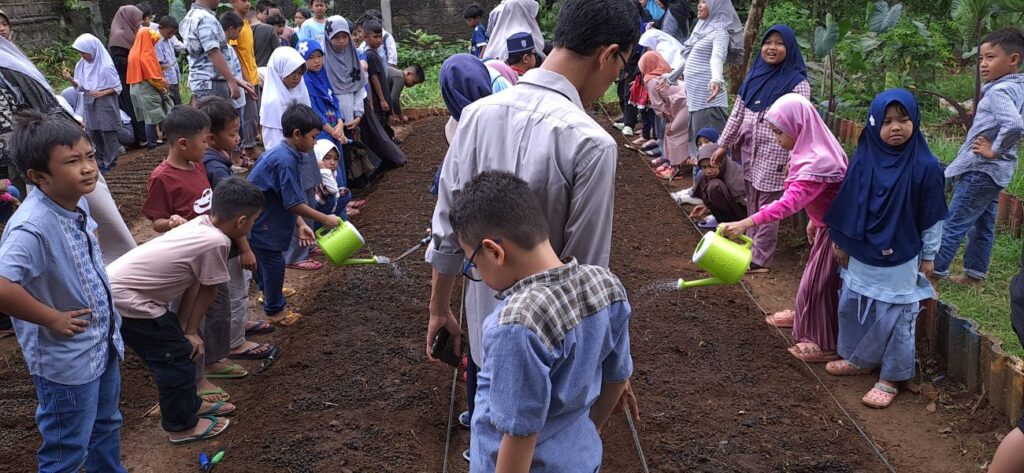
[97, 22]
[750, 32]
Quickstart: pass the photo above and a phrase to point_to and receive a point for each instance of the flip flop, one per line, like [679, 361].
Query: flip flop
[209, 433]
[262, 328]
[285, 291]
[290, 318]
[251, 353]
[782, 319]
[307, 265]
[880, 396]
[844, 368]
[811, 353]
[211, 392]
[231, 371]
[215, 410]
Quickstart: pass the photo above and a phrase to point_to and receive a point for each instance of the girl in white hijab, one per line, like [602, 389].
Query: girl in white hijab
[341, 59]
[513, 16]
[283, 87]
[665, 44]
[96, 78]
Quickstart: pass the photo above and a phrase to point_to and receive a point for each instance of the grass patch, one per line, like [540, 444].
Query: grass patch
[990, 305]
[427, 94]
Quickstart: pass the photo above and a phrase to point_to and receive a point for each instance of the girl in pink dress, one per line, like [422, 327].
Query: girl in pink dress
[669, 101]
[817, 166]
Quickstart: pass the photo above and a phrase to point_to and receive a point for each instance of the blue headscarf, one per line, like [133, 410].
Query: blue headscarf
[765, 83]
[464, 80]
[891, 194]
[321, 96]
[709, 133]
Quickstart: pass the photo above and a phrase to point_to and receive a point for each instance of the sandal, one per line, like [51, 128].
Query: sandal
[783, 319]
[844, 368]
[215, 410]
[668, 174]
[290, 318]
[251, 354]
[811, 353]
[209, 433]
[231, 371]
[307, 265]
[224, 396]
[261, 327]
[357, 203]
[285, 291]
[880, 396]
[659, 162]
[649, 145]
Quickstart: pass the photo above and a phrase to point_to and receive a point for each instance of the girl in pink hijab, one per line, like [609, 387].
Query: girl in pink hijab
[817, 166]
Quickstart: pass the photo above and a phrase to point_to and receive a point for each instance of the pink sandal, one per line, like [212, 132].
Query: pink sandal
[844, 368]
[782, 319]
[880, 396]
[308, 265]
[811, 353]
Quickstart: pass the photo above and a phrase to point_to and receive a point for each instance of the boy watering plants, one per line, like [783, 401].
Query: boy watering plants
[556, 347]
[54, 287]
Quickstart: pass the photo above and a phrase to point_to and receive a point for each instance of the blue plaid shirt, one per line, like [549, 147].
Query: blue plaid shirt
[999, 118]
[53, 254]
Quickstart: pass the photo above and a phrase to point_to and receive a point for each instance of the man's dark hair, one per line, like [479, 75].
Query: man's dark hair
[275, 20]
[299, 117]
[35, 136]
[373, 26]
[231, 20]
[517, 57]
[219, 110]
[147, 9]
[305, 13]
[234, 197]
[1010, 39]
[585, 25]
[263, 5]
[497, 204]
[184, 122]
[473, 10]
[311, 2]
[417, 71]
[168, 21]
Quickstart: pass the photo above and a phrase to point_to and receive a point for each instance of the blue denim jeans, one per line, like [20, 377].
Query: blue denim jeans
[972, 213]
[81, 425]
[269, 276]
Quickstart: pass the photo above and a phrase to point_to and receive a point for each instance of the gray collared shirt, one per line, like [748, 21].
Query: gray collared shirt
[538, 131]
[202, 33]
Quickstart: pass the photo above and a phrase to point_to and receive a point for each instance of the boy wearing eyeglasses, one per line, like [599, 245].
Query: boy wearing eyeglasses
[557, 346]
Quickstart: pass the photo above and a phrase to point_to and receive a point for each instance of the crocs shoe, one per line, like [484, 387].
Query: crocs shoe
[627, 131]
[465, 419]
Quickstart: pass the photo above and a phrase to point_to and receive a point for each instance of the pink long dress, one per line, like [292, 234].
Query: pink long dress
[670, 103]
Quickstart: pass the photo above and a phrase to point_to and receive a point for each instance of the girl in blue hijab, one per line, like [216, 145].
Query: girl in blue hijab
[886, 223]
[464, 80]
[778, 70]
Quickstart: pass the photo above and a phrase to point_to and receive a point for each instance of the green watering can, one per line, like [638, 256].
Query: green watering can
[725, 259]
[342, 242]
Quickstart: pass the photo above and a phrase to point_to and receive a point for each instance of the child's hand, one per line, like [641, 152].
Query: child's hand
[330, 221]
[66, 74]
[176, 220]
[306, 236]
[842, 257]
[342, 191]
[928, 268]
[248, 260]
[339, 134]
[698, 211]
[718, 157]
[198, 347]
[983, 147]
[68, 323]
[811, 231]
[354, 123]
[98, 93]
[732, 229]
[384, 106]
[628, 400]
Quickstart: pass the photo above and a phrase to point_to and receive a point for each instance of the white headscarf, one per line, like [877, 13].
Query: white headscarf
[277, 97]
[721, 16]
[666, 45]
[14, 59]
[320, 149]
[100, 74]
[514, 16]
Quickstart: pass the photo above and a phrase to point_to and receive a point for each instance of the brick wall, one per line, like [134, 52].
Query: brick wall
[37, 23]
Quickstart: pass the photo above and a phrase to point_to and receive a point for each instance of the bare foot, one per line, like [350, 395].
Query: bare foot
[200, 427]
[210, 392]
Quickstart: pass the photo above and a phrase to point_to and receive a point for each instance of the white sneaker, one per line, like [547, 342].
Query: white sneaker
[685, 197]
[618, 125]
[627, 131]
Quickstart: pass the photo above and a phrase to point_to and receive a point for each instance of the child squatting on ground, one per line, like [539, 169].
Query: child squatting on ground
[886, 223]
[557, 346]
[54, 286]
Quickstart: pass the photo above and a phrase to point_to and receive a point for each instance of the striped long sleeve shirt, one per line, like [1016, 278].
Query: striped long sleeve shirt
[704, 65]
[1000, 118]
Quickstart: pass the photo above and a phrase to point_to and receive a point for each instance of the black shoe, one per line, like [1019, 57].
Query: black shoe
[465, 455]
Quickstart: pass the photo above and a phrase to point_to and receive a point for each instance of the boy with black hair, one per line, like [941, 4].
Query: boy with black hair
[223, 137]
[147, 13]
[166, 53]
[387, 50]
[54, 286]
[557, 346]
[187, 264]
[474, 16]
[987, 160]
[399, 79]
[593, 38]
[315, 27]
[522, 56]
[277, 175]
[376, 71]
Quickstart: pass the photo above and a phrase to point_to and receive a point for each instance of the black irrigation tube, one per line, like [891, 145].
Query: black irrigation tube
[746, 289]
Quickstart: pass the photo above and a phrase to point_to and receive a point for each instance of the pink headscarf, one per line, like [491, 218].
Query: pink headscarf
[504, 70]
[816, 155]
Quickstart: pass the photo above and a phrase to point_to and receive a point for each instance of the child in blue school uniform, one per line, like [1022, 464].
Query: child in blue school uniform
[54, 286]
[886, 225]
[556, 350]
[277, 175]
[474, 16]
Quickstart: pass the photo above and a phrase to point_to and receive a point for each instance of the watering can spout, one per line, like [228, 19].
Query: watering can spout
[365, 261]
[681, 284]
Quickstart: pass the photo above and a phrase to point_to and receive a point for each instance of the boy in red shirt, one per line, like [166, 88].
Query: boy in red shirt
[178, 191]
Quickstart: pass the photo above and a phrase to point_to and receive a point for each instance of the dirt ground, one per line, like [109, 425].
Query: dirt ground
[351, 391]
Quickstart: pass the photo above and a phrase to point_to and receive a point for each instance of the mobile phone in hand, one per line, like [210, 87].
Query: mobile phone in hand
[441, 348]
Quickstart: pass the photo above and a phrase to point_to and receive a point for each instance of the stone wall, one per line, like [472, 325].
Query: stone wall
[37, 23]
[440, 17]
